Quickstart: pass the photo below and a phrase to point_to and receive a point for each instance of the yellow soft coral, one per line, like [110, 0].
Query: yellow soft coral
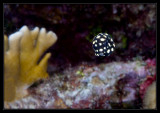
[22, 52]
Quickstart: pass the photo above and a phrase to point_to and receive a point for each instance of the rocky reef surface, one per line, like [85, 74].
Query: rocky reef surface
[112, 85]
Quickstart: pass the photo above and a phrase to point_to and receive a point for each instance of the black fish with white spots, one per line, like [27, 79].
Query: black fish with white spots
[103, 44]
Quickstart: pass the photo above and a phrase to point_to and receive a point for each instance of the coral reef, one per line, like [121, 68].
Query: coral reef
[149, 101]
[96, 89]
[22, 63]
[145, 84]
[148, 86]
[79, 79]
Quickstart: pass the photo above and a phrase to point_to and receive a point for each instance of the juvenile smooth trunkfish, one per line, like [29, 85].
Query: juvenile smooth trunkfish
[103, 44]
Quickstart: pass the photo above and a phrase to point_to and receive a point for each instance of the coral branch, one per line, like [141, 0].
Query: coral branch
[22, 52]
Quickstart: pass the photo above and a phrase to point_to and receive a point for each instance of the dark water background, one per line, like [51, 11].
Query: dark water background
[132, 26]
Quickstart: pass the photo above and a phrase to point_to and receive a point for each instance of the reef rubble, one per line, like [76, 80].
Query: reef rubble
[104, 86]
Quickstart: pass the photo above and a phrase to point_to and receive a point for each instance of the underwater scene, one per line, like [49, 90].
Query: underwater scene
[79, 56]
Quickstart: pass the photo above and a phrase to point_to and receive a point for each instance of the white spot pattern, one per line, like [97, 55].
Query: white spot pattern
[100, 49]
[102, 39]
[112, 49]
[100, 44]
[98, 37]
